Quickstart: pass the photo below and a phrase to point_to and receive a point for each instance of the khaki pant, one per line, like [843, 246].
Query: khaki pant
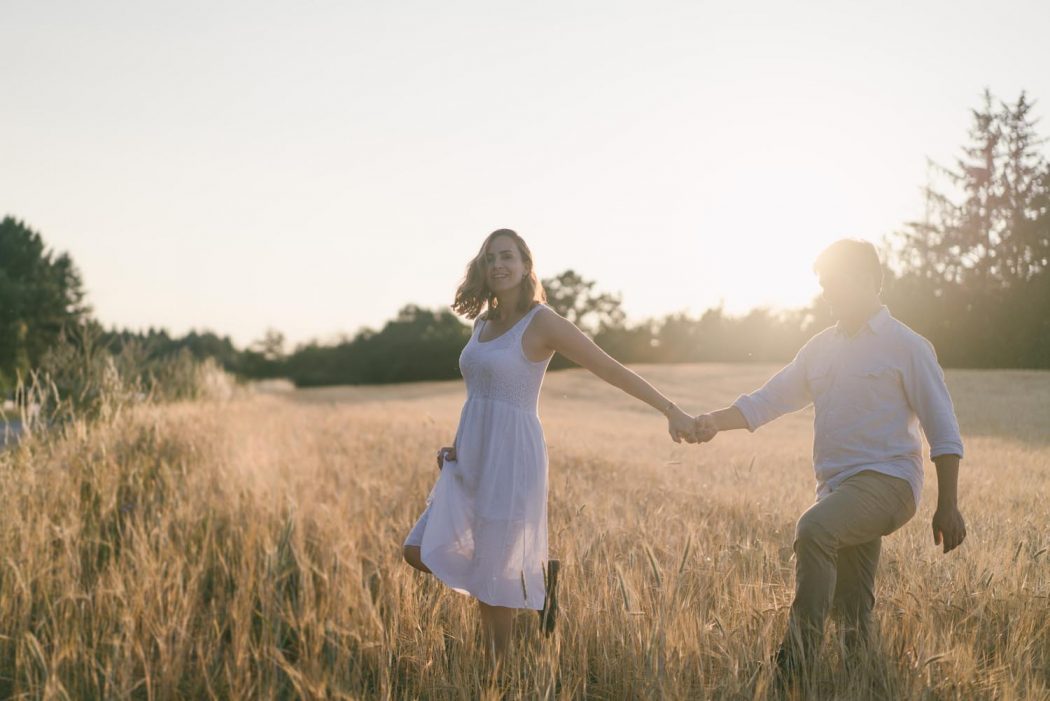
[837, 543]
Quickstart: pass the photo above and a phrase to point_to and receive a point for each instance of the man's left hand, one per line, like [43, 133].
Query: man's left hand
[949, 529]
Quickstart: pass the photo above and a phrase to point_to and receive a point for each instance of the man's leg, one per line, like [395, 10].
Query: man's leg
[855, 591]
[861, 510]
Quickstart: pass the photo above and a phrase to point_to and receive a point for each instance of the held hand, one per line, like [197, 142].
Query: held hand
[706, 428]
[680, 425]
[948, 528]
[446, 453]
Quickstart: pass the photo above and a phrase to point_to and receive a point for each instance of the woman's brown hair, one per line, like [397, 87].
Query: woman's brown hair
[474, 296]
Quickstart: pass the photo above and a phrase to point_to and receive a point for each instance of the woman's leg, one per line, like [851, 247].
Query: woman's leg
[413, 557]
[498, 624]
[410, 550]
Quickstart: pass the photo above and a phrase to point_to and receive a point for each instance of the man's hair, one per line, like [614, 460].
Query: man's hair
[851, 257]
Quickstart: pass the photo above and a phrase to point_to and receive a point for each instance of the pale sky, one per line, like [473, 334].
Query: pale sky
[315, 166]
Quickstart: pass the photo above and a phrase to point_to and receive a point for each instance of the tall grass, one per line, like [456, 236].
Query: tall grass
[80, 378]
[249, 548]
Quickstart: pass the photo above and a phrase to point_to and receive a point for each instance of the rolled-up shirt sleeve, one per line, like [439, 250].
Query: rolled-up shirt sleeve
[785, 392]
[928, 396]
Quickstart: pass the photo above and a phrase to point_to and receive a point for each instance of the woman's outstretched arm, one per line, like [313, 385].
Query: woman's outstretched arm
[557, 334]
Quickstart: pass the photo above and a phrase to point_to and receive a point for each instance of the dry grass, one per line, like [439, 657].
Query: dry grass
[250, 549]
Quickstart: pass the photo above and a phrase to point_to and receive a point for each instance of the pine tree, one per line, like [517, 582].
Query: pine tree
[987, 229]
[40, 293]
[975, 271]
[1025, 247]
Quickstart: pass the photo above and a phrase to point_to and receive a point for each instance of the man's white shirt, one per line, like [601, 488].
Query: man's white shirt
[870, 392]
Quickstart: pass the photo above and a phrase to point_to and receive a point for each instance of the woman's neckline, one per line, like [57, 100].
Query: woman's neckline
[509, 329]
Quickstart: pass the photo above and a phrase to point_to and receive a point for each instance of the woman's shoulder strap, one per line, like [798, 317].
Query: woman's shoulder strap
[536, 309]
[529, 315]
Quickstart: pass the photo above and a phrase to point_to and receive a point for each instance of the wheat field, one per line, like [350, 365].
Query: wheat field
[250, 548]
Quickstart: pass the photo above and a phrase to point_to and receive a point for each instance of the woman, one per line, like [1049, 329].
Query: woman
[484, 531]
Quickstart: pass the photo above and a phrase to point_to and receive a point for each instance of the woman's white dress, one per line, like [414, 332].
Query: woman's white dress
[484, 531]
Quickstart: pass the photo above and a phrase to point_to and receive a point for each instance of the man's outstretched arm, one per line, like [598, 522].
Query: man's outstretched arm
[785, 392]
[709, 425]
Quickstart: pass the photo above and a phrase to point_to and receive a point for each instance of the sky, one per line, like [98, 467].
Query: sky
[313, 167]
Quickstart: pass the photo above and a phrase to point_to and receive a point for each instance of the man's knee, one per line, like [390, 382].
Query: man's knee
[809, 532]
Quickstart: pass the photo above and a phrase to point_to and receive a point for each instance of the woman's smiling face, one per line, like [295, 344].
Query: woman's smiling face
[504, 268]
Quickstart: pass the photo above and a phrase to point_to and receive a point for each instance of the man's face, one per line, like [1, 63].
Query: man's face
[846, 294]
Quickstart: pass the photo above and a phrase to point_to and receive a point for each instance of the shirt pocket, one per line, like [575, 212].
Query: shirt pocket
[818, 379]
[872, 372]
[871, 386]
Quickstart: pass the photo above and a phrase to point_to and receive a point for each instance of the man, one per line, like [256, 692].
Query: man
[872, 382]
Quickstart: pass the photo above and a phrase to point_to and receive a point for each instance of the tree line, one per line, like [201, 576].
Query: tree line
[973, 276]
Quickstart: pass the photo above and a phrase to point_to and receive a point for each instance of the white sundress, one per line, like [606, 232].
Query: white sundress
[484, 531]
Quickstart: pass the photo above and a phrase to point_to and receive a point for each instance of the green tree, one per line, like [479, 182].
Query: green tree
[40, 293]
[271, 345]
[575, 298]
[974, 271]
[1025, 247]
[986, 222]
[419, 344]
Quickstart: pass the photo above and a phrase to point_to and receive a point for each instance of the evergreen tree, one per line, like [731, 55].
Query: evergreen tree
[988, 228]
[40, 293]
[974, 270]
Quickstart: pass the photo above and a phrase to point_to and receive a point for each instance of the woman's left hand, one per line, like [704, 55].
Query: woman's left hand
[448, 453]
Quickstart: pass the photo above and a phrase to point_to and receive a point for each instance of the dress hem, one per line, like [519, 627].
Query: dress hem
[467, 592]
